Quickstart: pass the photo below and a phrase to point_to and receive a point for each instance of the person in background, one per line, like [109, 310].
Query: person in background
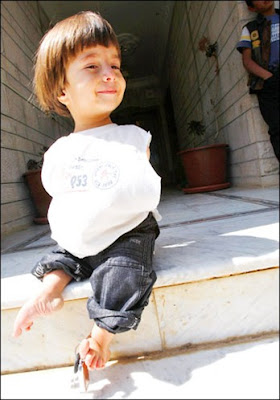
[259, 46]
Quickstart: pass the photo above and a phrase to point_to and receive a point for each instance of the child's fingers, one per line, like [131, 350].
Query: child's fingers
[91, 360]
[84, 348]
[100, 363]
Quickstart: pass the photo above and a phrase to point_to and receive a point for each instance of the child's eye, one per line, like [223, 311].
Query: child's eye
[92, 66]
[115, 67]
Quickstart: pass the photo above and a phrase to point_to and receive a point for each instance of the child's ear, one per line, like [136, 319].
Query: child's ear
[63, 98]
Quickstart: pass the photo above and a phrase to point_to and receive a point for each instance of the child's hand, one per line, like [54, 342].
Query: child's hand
[92, 354]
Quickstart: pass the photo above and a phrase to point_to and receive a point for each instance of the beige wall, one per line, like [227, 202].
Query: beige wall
[24, 128]
[221, 101]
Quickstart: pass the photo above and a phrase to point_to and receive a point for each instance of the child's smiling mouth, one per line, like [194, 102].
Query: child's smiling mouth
[107, 91]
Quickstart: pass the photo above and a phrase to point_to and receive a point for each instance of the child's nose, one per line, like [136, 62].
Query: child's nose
[108, 74]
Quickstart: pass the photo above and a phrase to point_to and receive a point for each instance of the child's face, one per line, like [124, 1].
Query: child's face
[262, 6]
[95, 85]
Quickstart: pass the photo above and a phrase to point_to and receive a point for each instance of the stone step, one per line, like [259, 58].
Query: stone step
[228, 372]
[217, 262]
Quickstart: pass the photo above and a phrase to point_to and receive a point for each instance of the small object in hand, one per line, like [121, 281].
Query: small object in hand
[81, 374]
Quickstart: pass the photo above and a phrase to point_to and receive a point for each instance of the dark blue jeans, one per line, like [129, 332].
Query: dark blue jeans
[269, 107]
[121, 276]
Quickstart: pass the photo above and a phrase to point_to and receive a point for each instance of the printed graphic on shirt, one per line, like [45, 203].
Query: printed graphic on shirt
[84, 174]
[274, 32]
[106, 175]
[78, 176]
[254, 35]
[79, 181]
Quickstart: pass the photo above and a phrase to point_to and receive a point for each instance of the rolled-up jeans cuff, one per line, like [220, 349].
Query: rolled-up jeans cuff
[114, 321]
[60, 259]
[118, 321]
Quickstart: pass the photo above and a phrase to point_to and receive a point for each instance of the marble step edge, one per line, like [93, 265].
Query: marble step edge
[244, 304]
[15, 291]
[168, 352]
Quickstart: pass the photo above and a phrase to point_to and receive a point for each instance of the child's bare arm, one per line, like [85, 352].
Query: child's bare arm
[252, 67]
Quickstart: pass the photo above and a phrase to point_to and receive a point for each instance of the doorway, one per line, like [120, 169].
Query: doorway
[149, 119]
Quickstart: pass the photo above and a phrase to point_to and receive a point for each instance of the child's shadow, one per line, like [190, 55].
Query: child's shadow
[120, 380]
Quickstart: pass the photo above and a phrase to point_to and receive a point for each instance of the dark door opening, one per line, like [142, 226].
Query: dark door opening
[148, 119]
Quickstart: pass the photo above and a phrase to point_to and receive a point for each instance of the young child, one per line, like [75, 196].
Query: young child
[259, 45]
[103, 214]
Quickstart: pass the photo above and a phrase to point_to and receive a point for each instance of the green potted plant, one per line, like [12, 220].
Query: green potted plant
[40, 198]
[206, 166]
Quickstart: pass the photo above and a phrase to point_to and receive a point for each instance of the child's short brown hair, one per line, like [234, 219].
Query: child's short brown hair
[58, 45]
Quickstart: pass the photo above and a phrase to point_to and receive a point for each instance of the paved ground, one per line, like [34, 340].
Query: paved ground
[243, 371]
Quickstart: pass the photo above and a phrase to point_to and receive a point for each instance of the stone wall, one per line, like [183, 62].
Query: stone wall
[24, 127]
[221, 101]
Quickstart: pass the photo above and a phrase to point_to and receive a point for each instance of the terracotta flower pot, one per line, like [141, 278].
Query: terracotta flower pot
[39, 196]
[205, 168]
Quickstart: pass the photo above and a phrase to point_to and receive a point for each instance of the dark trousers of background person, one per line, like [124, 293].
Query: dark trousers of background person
[269, 107]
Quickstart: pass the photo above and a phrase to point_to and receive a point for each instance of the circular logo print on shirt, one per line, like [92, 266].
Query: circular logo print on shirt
[106, 175]
[254, 35]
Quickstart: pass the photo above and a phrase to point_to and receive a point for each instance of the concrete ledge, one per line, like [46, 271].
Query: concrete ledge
[184, 253]
[188, 314]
